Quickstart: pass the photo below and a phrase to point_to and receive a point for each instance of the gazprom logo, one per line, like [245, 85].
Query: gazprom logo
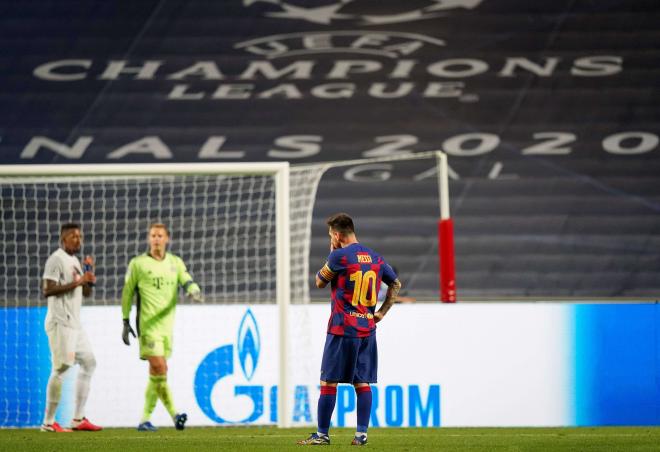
[249, 344]
[219, 365]
[229, 395]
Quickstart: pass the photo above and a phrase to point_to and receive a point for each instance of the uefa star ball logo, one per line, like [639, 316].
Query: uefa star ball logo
[358, 11]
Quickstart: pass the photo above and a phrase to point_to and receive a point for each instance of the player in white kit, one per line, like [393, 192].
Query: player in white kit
[65, 284]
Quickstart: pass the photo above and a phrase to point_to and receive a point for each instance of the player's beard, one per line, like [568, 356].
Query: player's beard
[74, 249]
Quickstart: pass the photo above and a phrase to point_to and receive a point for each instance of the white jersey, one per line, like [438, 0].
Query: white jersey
[64, 309]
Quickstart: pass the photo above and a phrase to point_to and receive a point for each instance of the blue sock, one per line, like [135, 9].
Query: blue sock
[326, 407]
[363, 408]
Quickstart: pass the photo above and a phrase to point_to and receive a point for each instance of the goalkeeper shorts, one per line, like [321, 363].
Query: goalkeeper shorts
[350, 359]
[155, 345]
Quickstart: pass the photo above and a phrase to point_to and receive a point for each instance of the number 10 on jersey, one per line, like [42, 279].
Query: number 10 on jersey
[364, 282]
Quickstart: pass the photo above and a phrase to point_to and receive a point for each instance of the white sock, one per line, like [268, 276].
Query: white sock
[53, 394]
[82, 390]
[51, 409]
[82, 387]
[361, 434]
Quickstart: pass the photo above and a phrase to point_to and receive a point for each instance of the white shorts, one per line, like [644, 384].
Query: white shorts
[68, 345]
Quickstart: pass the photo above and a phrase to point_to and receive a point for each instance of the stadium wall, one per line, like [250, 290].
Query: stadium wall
[439, 365]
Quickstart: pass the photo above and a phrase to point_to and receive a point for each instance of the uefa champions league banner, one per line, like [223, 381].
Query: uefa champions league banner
[439, 365]
[331, 79]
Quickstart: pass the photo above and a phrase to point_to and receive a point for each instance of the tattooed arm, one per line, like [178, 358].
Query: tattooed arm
[392, 293]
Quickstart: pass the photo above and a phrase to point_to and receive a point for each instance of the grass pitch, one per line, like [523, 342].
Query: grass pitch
[608, 439]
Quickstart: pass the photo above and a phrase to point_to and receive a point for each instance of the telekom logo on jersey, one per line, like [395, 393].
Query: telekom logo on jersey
[227, 395]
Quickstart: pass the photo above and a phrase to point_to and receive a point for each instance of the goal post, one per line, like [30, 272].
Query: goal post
[197, 197]
[283, 259]
[445, 227]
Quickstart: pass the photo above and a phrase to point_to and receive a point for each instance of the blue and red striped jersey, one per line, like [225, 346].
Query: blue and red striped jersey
[354, 273]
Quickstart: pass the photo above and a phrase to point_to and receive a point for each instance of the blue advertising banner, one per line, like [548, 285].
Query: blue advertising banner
[492, 365]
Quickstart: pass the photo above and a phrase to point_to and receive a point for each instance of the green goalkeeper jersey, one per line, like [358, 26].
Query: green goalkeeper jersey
[156, 284]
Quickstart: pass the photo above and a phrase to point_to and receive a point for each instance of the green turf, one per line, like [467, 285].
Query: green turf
[610, 439]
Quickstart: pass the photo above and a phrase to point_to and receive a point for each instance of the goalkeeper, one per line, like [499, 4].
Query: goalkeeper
[156, 277]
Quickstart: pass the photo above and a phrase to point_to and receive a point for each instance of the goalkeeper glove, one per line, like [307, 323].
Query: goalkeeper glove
[127, 330]
[196, 295]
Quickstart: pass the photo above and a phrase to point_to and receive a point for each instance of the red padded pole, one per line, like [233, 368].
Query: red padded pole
[446, 256]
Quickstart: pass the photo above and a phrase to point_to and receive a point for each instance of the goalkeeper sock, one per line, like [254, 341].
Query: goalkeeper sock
[326, 407]
[150, 398]
[363, 408]
[164, 393]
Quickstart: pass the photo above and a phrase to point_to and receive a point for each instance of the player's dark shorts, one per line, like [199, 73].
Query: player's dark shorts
[350, 359]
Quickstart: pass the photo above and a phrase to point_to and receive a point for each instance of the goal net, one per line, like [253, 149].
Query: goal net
[244, 232]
